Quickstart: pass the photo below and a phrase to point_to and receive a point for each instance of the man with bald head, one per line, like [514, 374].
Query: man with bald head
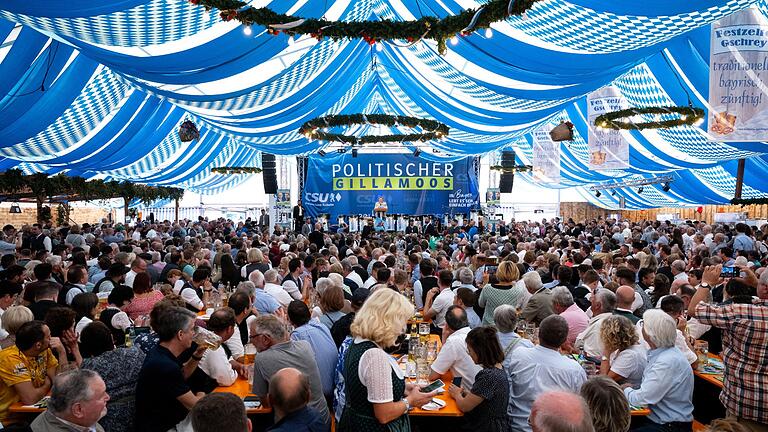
[548, 415]
[289, 394]
[625, 295]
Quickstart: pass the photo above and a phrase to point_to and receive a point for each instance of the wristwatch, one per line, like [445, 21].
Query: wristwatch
[705, 285]
[407, 405]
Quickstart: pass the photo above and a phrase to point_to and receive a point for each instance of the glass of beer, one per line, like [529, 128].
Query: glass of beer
[206, 337]
[423, 331]
[250, 354]
[702, 352]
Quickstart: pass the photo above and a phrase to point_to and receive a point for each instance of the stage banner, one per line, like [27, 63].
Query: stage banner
[492, 197]
[607, 148]
[738, 63]
[283, 198]
[343, 185]
[546, 157]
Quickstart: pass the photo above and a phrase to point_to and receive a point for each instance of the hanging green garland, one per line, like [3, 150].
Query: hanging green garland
[433, 28]
[747, 201]
[235, 170]
[432, 129]
[512, 169]
[621, 119]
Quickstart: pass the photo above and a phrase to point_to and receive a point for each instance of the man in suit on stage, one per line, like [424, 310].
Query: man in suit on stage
[306, 229]
[298, 216]
[430, 230]
[411, 228]
[264, 221]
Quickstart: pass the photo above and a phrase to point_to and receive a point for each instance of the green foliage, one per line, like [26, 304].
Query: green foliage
[431, 129]
[433, 28]
[613, 120]
[235, 170]
[747, 201]
[14, 182]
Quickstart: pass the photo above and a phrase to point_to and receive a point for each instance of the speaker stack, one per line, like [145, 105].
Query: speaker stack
[269, 173]
[507, 177]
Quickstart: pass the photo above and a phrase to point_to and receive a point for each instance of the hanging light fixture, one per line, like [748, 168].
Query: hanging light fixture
[15, 209]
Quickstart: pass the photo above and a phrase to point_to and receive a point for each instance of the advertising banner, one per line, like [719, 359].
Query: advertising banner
[283, 198]
[608, 150]
[492, 197]
[343, 185]
[546, 157]
[738, 63]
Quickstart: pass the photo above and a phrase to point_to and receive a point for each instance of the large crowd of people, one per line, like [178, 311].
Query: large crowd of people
[106, 319]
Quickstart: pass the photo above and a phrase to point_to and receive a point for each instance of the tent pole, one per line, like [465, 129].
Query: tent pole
[177, 210]
[739, 178]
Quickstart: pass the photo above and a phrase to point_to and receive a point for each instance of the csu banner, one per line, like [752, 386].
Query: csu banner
[738, 64]
[343, 185]
[607, 147]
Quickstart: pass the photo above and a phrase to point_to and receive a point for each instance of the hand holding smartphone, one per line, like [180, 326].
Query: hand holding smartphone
[434, 385]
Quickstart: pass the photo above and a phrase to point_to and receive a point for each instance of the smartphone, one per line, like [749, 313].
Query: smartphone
[729, 272]
[434, 385]
[492, 260]
[456, 381]
[252, 401]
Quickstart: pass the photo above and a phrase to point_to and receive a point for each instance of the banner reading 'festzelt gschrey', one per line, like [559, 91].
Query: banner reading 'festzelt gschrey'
[343, 185]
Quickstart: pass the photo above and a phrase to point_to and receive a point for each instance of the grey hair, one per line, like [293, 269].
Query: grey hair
[346, 264]
[678, 265]
[256, 278]
[465, 275]
[247, 287]
[607, 300]
[70, 388]
[561, 296]
[324, 284]
[271, 326]
[532, 281]
[551, 420]
[659, 328]
[271, 276]
[505, 317]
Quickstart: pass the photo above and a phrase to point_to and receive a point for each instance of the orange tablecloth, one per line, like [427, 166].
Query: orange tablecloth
[714, 379]
[19, 408]
[242, 388]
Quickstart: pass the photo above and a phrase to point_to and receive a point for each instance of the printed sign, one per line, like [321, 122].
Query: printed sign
[608, 149]
[546, 157]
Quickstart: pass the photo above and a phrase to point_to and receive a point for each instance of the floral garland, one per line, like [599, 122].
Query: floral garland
[433, 28]
[748, 201]
[235, 170]
[432, 129]
[516, 168]
[613, 120]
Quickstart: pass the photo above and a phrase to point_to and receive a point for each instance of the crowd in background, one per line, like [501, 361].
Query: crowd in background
[323, 311]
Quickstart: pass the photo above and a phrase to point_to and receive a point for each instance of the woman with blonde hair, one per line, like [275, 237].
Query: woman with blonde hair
[504, 291]
[378, 399]
[13, 318]
[607, 403]
[625, 358]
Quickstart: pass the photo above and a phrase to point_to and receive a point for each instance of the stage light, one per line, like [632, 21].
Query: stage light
[417, 152]
[342, 150]
[665, 187]
[379, 46]
[354, 152]
[640, 190]
[321, 152]
[488, 33]
[597, 194]
[613, 192]
[247, 30]
[454, 40]
[15, 208]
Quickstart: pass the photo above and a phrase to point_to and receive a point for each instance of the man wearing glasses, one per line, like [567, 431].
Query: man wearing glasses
[277, 351]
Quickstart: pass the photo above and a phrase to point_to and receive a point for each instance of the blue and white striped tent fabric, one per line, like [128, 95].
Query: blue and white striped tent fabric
[99, 88]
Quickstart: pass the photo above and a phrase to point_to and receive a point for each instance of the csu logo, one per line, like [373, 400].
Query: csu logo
[322, 198]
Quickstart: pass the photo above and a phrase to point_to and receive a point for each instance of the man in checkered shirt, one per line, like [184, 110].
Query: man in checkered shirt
[745, 349]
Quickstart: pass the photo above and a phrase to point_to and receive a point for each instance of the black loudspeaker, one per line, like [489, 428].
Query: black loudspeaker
[507, 159]
[269, 173]
[505, 182]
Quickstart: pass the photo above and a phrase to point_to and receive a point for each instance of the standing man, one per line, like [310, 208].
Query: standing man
[298, 216]
[264, 221]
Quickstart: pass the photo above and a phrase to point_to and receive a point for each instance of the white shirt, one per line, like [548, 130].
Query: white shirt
[681, 275]
[77, 289]
[235, 344]
[454, 356]
[190, 297]
[369, 282]
[637, 302]
[278, 293]
[373, 374]
[630, 363]
[216, 365]
[129, 277]
[3, 333]
[440, 305]
[354, 277]
[417, 291]
[533, 371]
[292, 289]
[680, 343]
[83, 323]
[136, 235]
[589, 339]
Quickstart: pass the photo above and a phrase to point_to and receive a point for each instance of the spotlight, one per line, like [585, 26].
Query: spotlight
[488, 33]
[454, 40]
[247, 30]
[597, 194]
[613, 192]
[665, 187]
[354, 152]
[15, 208]
[640, 190]
[379, 46]
[417, 152]
[321, 152]
[342, 150]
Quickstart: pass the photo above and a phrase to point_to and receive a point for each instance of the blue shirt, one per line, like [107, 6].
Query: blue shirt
[304, 420]
[265, 303]
[319, 338]
[667, 387]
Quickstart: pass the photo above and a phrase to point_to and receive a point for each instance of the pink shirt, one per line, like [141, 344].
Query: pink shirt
[577, 321]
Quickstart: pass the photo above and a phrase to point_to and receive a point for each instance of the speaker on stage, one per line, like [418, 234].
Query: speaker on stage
[269, 173]
[507, 159]
[505, 182]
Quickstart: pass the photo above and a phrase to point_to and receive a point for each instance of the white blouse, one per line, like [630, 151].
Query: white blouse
[373, 371]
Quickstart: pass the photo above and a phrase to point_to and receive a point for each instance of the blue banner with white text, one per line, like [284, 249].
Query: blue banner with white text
[342, 185]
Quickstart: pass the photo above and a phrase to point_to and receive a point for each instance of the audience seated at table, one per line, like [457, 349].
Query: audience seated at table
[119, 368]
[12, 319]
[607, 404]
[560, 411]
[144, 297]
[78, 401]
[289, 396]
[319, 338]
[218, 412]
[667, 384]
[453, 356]
[485, 403]
[624, 358]
[603, 305]
[218, 363]
[563, 305]
[504, 291]
[674, 307]
[539, 304]
[505, 318]
[533, 371]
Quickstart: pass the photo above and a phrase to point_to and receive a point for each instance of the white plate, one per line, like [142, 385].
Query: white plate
[435, 405]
